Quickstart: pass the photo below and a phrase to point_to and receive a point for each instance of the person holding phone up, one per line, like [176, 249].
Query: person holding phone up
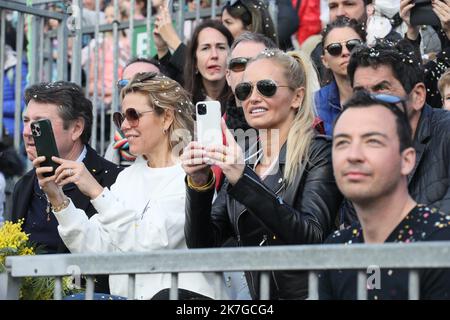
[70, 114]
[144, 209]
[437, 13]
[282, 192]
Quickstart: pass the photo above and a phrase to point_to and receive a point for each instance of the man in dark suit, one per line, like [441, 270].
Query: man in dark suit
[70, 113]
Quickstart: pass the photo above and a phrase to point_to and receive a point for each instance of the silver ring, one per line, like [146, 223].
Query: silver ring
[70, 172]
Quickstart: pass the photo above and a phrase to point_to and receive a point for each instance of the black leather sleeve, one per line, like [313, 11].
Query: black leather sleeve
[207, 224]
[312, 217]
[174, 63]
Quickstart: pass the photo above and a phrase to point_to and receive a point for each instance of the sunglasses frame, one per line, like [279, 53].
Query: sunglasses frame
[392, 100]
[341, 47]
[258, 86]
[238, 61]
[133, 119]
[139, 77]
[232, 2]
[122, 83]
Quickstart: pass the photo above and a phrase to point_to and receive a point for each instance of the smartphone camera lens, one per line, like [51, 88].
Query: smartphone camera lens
[201, 109]
[35, 130]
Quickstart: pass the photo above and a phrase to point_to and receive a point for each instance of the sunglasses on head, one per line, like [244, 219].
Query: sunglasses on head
[132, 116]
[122, 83]
[139, 77]
[335, 49]
[394, 101]
[238, 64]
[266, 87]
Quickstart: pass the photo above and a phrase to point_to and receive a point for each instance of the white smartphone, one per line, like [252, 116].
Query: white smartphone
[209, 131]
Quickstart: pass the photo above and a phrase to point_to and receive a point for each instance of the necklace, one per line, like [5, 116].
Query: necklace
[158, 195]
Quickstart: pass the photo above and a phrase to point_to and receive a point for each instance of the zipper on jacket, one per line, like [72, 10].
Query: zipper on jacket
[270, 191]
[263, 240]
[252, 284]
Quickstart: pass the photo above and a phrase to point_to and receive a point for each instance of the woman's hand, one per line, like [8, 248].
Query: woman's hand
[76, 172]
[229, 158]
[164, 28]
[405, 13]
[442, 10]
[54, 192]
[194, 164]
[160, 44]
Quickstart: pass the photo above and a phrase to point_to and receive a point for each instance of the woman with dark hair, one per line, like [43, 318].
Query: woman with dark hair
[248, 15]
[206, 62]
[339, 38]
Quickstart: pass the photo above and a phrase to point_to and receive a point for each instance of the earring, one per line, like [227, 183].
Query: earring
[164, 131]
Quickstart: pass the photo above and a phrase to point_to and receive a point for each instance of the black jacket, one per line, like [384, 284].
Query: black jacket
[173, 63]
[268, 213]
[105, 173]
[429, 182]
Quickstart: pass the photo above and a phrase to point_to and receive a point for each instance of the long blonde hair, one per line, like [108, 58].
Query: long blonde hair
[299, 73]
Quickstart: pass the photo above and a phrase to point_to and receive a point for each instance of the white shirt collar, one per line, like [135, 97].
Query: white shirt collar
[82, 155]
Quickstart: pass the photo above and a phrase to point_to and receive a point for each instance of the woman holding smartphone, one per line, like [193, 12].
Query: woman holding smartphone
[282, 191]
[339, 38]
[145, 209]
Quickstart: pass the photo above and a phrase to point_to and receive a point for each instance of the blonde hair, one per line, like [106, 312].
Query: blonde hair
[443, 82]
[299, 73]
[164, 94]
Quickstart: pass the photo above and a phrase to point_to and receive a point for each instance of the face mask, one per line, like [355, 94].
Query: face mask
[387, 8]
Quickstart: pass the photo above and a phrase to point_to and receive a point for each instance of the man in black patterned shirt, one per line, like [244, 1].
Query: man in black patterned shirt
[372, 156]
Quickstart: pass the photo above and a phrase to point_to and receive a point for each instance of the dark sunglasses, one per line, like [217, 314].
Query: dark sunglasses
[335, 49]
[238, 64]
[132, 116]
[265, 87]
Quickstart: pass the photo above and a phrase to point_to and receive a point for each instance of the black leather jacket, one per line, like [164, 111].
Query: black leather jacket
[262, 214]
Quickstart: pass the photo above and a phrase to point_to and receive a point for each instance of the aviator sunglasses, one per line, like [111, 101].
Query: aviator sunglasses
[238, 64]
[265, 87]
[335, 49]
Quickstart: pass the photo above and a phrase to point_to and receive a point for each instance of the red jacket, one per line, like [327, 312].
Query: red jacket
[309, 15]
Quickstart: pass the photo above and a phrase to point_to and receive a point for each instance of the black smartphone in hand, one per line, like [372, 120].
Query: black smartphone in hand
[422, 14]
[45, 143]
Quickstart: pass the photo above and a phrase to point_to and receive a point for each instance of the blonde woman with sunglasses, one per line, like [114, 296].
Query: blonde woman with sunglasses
[145, 209]
[282, 190]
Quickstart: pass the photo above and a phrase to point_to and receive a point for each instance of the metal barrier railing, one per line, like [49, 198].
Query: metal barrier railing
[312, 258]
